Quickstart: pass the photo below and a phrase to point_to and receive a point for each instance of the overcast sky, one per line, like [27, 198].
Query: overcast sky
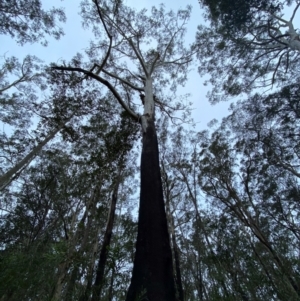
[76, 40]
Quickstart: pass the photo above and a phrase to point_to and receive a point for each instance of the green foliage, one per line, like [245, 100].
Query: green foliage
[233, 192]
[28, 22]
[29, 272]
[237, 14]
[245, 48]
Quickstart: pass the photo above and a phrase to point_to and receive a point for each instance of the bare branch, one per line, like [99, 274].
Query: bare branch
[23, 78]
[275, 38]
[108, 34]
[141, 60]
[123, 81]
[294, 12]
[136, 51]
[104, 82]
[281, 20]
[277, 66]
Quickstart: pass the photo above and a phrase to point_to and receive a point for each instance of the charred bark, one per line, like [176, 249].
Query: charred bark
[152, 277]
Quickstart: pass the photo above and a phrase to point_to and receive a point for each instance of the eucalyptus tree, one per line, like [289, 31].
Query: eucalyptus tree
[57, 211]
[203, 274]
[26, 22]
[145, 55]
[270, 124]
[249, 44]
[57, 111]
[248, 169]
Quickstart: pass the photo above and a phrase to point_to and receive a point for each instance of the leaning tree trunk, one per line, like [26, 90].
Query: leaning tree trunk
[7, 178]
[152, 277]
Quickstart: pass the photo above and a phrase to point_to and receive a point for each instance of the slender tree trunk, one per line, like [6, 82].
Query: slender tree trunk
[90, 270]
[246, 218]
[152, 277]
[111, 287]
[175, 248]
[97, 287]
[8, 176]
[83, 233]
[219, 267]
[60, 281]
[177, 262]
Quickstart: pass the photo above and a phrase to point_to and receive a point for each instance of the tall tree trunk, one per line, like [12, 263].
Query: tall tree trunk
[8, 176]
[177, 261]
[83, 234]
[97, 287]
[152, 276]
[56, 296]
[90, 269]
[171, 224]
[111, 286]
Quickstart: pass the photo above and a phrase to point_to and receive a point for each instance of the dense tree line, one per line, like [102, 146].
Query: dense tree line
[209, 215]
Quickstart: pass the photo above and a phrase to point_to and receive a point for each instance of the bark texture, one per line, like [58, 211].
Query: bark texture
[152, 277]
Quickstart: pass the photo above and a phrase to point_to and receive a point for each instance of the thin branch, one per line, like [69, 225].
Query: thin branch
[104, 82]
[277, 66]
[275, 38]
[20, 80]
[123, 81]
[176, 61]
[109, 36]
[162, 105]
[139, 57]
[280, 19]
[265, 53]
[287, 61]
[172, 38]
[294, 12]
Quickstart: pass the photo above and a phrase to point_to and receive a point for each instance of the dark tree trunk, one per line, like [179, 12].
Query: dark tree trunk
[111, 286]
[177, 264]
[97, 287]
[152, 277]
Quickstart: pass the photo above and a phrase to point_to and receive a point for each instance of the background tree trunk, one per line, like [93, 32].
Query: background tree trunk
[8, 176]
[106, 243]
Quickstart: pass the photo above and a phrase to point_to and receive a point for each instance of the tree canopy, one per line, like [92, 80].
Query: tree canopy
[107, 190]
[241, 56]
[28, 22]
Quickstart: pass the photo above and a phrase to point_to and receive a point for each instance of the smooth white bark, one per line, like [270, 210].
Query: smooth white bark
[149, 104]
[8, 176]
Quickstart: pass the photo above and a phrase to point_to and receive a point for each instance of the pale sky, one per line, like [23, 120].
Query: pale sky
[76, 40]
